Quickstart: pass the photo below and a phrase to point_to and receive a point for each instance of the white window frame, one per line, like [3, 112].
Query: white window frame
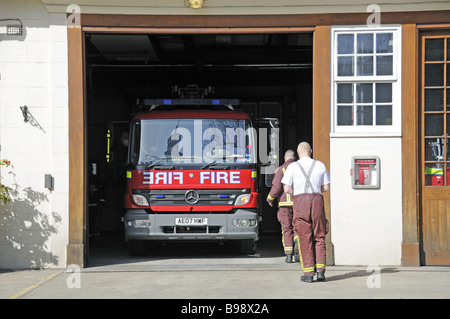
[395, 79]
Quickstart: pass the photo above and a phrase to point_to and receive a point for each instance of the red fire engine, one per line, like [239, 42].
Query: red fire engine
[192, 174]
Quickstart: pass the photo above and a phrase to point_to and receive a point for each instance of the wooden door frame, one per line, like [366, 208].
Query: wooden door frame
[412, 241]
[77, 111]
[410, 148]
[320, 24]
[77, 148]
[427, 193]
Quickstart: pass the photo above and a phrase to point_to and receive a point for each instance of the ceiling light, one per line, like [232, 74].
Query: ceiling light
[196, 4]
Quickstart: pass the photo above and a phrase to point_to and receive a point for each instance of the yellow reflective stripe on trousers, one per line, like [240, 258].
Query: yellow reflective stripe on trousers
[286, 249]
[322, 266]
[308, 269]
[300, 252]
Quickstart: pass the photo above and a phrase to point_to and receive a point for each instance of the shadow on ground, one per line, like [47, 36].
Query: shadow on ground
[113, 250]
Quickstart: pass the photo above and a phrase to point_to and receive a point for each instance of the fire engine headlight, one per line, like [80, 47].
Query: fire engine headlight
[244, 222]
[140, 200]
[242, 199]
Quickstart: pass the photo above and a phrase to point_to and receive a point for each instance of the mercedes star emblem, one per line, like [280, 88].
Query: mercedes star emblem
[191, 197]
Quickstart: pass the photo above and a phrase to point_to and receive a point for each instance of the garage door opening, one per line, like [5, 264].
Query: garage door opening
[271, 75]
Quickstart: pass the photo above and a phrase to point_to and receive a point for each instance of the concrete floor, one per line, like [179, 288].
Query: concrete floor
[208, 271]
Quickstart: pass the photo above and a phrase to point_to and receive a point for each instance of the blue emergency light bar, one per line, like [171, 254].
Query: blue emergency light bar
[152, 102]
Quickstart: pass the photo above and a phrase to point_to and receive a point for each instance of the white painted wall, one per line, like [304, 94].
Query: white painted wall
[366, 224]
[33, 72]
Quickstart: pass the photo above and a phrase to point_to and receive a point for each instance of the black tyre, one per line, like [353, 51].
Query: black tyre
[136, 247]
[247, 246]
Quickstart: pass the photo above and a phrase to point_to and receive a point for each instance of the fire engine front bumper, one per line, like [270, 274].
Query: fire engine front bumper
[243, 224]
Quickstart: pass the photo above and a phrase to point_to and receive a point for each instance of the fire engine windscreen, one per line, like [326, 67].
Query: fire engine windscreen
[192, 141]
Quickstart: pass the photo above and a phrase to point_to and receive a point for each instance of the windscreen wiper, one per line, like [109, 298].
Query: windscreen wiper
[214, 165]
[151, 165]
[169, 167]
[156, 165]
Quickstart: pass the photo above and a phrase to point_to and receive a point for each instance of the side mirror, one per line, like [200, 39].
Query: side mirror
[268, 178]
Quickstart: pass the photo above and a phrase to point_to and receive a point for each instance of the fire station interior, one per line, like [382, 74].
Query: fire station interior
[271, 75]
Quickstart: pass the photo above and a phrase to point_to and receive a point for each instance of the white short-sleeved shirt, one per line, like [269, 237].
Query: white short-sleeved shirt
[294, 175]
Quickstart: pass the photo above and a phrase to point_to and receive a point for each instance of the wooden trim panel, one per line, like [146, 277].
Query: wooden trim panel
[266, 21]
[321, 112]
[410, 152]
[206, 30]
[77, 149]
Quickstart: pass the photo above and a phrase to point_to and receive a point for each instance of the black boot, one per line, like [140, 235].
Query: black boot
[307, 278]
[288, 258]
[321, 275]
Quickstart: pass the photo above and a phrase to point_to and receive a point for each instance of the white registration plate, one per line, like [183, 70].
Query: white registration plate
[191, 221]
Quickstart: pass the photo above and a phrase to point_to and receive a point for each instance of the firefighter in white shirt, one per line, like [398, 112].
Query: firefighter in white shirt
[309, 179]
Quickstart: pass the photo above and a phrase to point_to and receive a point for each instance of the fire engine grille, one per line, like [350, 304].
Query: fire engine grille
[197, 197]
[191, 229]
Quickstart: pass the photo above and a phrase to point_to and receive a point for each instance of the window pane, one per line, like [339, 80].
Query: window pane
[364, 115]
[448, 100]
[434, 174]
[345, 43]
[364, 43]
[434, 50]
[365, 65]
[384, 115]
[345, 93]
[364, 93]
[345, 66]
[345, 115]
[448, 74]
[383, 92]
[448, 124]
[434, 125]
[434, 74]
[448, 157]
[448, 172]
[385, 65]
[434, 100]
[448, 49]
[384, 43]
[434, 149]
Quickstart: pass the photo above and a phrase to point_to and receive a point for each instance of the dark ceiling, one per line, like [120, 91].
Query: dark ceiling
[148, 49]
[135, 62]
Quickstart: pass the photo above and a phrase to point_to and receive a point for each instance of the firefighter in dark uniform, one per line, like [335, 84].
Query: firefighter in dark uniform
[285, 205]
